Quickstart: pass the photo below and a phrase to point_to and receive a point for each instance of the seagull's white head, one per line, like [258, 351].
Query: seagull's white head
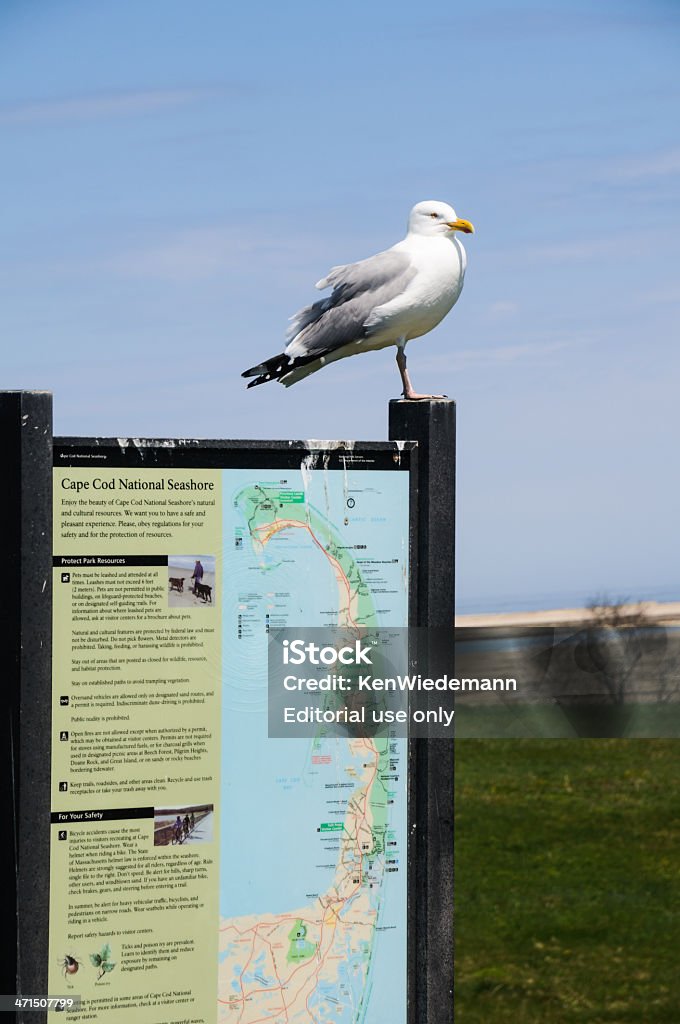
[433, 218]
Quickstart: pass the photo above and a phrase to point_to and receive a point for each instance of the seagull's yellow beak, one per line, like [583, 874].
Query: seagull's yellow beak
[461, 225]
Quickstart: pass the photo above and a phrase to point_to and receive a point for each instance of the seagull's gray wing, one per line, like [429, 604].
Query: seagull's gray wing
[358, 289]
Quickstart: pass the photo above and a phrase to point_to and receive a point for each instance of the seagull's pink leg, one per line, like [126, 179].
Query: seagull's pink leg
[408, 391]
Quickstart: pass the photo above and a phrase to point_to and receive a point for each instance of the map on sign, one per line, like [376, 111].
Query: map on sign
[313, 881]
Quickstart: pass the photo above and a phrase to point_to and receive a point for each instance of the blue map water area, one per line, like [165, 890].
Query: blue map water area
[275, 858]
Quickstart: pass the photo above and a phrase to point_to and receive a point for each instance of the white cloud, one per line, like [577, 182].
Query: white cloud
[96, 105]
[457, 360]
[665, 294]
[502, 309]
[665, 163]
[187, 255]
[577, 250]
[501, 355]
[209, 252]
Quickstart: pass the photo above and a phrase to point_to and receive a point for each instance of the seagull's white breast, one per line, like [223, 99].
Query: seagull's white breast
[440, 269]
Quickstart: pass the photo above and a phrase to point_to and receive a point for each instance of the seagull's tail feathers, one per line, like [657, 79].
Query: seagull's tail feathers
[289, 369]
[280, 368]
[270, 369]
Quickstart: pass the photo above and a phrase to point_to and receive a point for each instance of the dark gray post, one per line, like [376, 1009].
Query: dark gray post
[433, 425]
[25, 636]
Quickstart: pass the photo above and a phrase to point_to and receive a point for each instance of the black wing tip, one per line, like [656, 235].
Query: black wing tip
[270, 369]
[276, 368]
[255, 371]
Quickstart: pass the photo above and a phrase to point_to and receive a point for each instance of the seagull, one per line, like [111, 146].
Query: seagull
[387, 299]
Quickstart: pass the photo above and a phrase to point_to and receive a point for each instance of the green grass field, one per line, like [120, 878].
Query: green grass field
[568, 881]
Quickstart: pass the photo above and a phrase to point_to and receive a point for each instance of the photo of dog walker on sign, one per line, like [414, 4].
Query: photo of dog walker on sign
[191, 581]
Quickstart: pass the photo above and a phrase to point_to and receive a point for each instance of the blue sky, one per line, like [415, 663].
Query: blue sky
[177, 176]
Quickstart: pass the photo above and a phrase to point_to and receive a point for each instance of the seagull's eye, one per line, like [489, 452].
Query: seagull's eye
[434, 215]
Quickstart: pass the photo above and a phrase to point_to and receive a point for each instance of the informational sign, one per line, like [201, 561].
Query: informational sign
[202, 872]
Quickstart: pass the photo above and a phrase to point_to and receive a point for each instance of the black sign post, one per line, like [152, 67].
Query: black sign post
[433, 425]
[25, 638]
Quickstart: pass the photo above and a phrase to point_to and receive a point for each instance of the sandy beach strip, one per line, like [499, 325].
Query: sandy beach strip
[659, 613]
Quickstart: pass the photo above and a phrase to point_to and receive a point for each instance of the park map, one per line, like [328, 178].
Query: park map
[313, 831]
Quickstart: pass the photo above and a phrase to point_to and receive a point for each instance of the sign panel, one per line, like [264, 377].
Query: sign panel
[200, 871]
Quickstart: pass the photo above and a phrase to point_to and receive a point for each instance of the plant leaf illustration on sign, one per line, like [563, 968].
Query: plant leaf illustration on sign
[102, 961]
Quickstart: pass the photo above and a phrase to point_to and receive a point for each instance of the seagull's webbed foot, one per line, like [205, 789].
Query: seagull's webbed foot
[413, 396]
[409, 394]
